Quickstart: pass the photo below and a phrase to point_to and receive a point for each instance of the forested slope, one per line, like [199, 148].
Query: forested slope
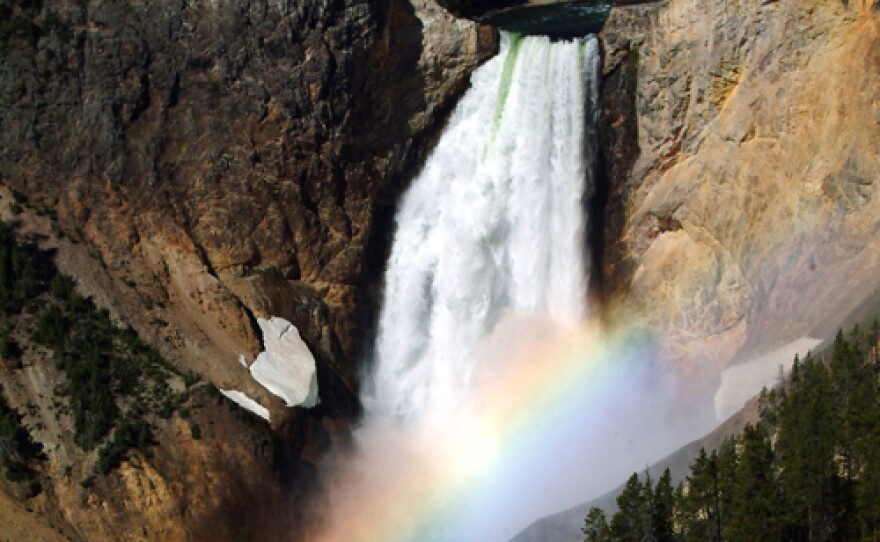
[809, 470]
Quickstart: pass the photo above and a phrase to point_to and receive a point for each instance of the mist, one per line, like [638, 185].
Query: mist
[554, 418]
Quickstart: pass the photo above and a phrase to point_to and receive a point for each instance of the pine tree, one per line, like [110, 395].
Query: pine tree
[596, 526]
[662, 509]
[867, 491]
[755, 506]
[702, 521]
[845, 372]
[808, 471]
[647, 512]
[17, 449]
[768, 406]
[9, 349]
[628, 524]
[727, 473]
[806, 446]
[62, 287]
[873, 337]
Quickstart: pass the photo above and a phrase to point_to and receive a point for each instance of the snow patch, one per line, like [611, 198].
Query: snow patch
[743, 381]
[247, 403]
[286, 366]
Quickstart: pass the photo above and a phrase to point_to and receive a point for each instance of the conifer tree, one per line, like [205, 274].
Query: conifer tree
[596, 526]
[768, 405]
[16, 446]
[679, 511]
[9, 349]
[727, 472]
[628, 524]
[868, 489]
[845, 372]
[755, 503]
[808, 471]
[702, 521]
[867, 492]
[662, 509]
[806, 446]
[873, 337]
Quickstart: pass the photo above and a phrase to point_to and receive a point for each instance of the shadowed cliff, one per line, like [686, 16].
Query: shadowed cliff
[198, 165]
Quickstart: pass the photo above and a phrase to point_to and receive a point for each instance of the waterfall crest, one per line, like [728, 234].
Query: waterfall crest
[495, 222]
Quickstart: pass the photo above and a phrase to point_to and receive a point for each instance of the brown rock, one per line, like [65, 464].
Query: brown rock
[210, 163]
[196, 144]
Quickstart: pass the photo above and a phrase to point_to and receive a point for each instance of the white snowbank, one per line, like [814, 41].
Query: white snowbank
[247, 403]
[743, 381]
[286, 367]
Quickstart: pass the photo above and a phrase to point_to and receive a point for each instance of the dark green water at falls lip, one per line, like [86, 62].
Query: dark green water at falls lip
[558, 21]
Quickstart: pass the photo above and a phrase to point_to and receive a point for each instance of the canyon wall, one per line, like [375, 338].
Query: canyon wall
[741, 142]
[227, 161]
[199, 165]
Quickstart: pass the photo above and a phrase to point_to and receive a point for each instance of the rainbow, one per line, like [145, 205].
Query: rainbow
[446, 480]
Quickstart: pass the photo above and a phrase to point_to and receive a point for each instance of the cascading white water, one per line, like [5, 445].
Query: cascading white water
[485, 411]
[496, 221]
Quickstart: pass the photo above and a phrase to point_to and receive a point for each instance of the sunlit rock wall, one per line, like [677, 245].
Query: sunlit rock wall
[741, 143]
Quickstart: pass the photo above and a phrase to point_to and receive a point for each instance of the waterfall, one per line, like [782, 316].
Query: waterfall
[494, 223]
[495, 398]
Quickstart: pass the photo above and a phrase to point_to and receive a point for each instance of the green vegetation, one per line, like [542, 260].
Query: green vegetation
[54, 24]
[19, 27]
[20, 273]
[20, 21]
[130, 433]
[113, 381]
[19, 197]
[632, 58]
[17, 449]
[16, 22]
[9, 349]
[808, 471]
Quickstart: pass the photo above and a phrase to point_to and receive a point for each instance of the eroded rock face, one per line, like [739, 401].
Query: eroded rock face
[229, 161]
[221, 486]
[741, 141]
[209, 163]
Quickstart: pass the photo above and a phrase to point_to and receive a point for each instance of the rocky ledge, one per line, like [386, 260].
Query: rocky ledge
[554, 18]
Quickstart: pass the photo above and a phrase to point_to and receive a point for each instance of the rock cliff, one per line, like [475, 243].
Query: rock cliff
[226, 161]
[199, 165]
[741, 146]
